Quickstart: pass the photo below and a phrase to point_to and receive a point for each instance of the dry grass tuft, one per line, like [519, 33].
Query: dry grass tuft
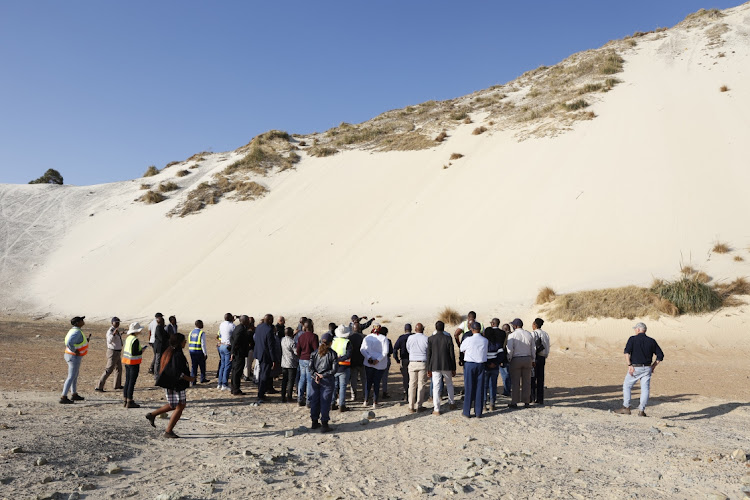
[182, 173]
[409, 141]
[151, 171]
[687, 270]
[456, 156]
[249, 190]
[165, 187]
[302, 143]
[545, 295]
[145, 186]
[441, 136]
[171, 164]
[467, 120]
[152, 197]
[738, 258]
[575, 105]
[449, 316]
[720, 247]
[479, 130]
[209, 193]
[322, 152]
[740, 286]
[627, 302]
[723, 88]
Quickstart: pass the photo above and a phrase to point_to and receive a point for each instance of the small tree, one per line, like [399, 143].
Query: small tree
[51, 176]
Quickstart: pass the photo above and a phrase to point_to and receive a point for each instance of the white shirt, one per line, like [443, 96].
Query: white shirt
[417, 347]
[225, 331]
[521, 343]
[475, 349]
[376, 347]
[541, 334]
[152, 331]
[114, 339]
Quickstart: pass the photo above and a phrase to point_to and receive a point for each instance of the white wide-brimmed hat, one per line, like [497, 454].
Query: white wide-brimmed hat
[343, 331]
[135, 328]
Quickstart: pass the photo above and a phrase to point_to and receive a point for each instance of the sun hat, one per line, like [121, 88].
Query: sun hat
[135, 328]
[343, 332]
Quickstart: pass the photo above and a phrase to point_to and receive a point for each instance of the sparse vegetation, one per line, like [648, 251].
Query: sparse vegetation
[441, 136]
[145, 186]
[459, 115]
[171, 163]
[720, 247]
[182, 173]
[302, 143]
[151, 171]
[626, 302]
[740, 286]
[479, 130]
[689, 295]
[209, 193]
[545, 295]
[449, 316]
[467, 120]
[165, 187]
[723, 88]
[456, 156]
[51, 176]
[591, 87]
[152, 197]
[738, 258]
[612, 64]
[575, 105]
[322, 152]
[609, 83]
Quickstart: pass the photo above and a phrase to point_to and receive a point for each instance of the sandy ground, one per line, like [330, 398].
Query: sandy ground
[571, 448]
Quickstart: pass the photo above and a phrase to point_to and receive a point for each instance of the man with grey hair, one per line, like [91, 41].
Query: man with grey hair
[521, 356]
[639, 354]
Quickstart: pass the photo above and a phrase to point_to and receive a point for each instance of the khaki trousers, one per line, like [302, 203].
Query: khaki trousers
[417, 384]
[520, 375]
[113, 364]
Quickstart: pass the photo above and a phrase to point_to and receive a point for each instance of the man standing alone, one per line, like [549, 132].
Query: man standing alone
[639, 355]
[114, 363]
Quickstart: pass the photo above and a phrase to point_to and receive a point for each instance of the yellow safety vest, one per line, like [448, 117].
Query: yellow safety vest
[339, 347]
[196, 337]
[82, 347]
[128, 358]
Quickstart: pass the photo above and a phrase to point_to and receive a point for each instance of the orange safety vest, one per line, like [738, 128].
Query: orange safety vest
[82, 347]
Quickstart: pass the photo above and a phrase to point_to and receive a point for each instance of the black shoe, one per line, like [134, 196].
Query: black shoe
[171, 435]
[526, 405]
[132, 404]
[315, 425]
[283, 400]
[118, 388]
[300, 403]
[540, 403]
[513, 405]
[205, 380]
[271, 391]
[99, 390]
[65, 401]
[246, 379]
[76, 397]
[326, 427]
[238, 393]
[151, 419]
[386, 396]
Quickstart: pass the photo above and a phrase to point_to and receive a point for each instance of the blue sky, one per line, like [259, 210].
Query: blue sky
[99, 90]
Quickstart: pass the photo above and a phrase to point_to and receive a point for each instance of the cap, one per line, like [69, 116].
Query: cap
[115, 319]
[640, 326]
[158, 315]
[517, 323]
[355, 317]
[539, 322]
[476, 326]
[407, 327]
[327, 338]
[77, 319]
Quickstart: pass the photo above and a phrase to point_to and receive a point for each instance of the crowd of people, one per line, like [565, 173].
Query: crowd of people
[318, 371]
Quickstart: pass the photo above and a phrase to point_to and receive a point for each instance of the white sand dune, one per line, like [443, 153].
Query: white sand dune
[659, 176]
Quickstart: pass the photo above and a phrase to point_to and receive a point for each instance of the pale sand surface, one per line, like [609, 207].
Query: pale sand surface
[571, 448]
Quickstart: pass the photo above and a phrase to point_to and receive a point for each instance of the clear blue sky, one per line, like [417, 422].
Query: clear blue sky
[99, 90]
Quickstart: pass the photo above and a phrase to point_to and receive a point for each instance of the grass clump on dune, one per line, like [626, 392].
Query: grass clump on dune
[723, 88]
[479, 130]
[449, 316]
[545, 295]
[689, 294]
[152, 197]
[151, 171]
[441, 136]
[322, 152]
[720, 247]
[626, 302]
[456, 156]
[145, 186]
[575, 105]
[209, 193]
[182, 173]
[165, 187]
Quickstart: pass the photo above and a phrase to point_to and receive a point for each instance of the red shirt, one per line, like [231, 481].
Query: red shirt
[306, 345]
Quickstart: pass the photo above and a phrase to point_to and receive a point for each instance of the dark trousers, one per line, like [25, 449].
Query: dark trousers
[238, 364]
[131, 375]
[320, 399]
[218, 368]
[373, 378]
[198, 360]
[157, 362]
[265, 382]
[287, 382]
[537, 381]
[473, 388]
[405, 375]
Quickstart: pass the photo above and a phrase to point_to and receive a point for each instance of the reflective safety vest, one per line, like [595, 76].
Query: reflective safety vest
[339, 347]
[83, 346]
[128, 357]
[196, 339]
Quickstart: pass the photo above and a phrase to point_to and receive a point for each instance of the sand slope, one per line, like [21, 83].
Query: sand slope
[658, 176]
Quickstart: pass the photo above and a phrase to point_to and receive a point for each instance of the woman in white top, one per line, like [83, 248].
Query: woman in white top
[375, 351]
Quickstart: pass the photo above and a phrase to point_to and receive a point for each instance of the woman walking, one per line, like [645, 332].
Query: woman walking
[132, 355]
[174, 377]
[323, 366]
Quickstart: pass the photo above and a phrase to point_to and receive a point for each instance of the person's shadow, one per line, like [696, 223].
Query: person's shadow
[709, 412]
[601, 397]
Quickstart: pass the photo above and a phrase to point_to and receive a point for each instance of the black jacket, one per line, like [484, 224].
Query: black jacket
[440, 353]
[355, 339]
[161, 339]
[241, 339]
[265, 344]
[170, 376]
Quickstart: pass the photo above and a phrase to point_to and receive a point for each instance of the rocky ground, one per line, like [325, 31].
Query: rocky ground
[573, 447]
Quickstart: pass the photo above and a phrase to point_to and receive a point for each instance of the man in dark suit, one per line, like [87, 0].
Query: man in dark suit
[441, 365]
[241, 339]
[161, 342]
[266, 355]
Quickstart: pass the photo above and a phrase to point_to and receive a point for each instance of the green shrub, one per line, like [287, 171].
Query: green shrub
[689, 295]
[51, 176]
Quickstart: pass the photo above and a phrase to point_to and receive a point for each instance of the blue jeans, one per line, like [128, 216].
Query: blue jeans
[74, 365]
[321, 395]
[506, 380]
[304, 388]
[226, 365]
[473, 388]
[342, 381]
[490, 377]
[642, 373]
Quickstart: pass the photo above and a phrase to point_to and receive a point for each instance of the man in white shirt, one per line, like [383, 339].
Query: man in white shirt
[537, 381]
[226, 328]
[375, 351]
[521, 356]
[417, 348]
[152, 339]
[475, 356]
